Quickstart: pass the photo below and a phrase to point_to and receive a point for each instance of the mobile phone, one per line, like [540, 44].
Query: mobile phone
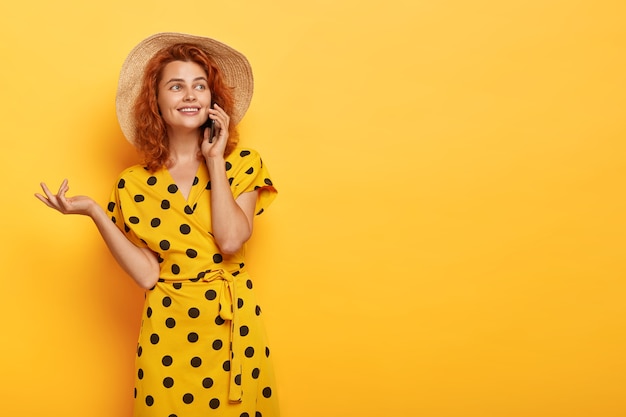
[210, 123]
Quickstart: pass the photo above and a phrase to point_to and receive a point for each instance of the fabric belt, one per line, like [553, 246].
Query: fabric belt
[228, 311]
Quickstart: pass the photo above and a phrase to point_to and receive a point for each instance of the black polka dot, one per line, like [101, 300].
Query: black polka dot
[167, 301]
[167, 360]
[111, 206]
[170, 323]
[249, 284]
[244, 330]
[249, 352]
[238, 379]
[196, 362]
[193, 312]
[217, 344]
[191, 253]
[196, 180]
[168, 382]
[154, 338]
[176, 271]
[210, 295]
[149, 312]
[268, 181]
[214, 403]
[164, 244]
[219, 321]
[239, 302]
[217, 258]
[267, 392]
[149, 400]
[126, 228]
[188, 210]
[165, 204]
[135, 392]
[188, 398]
[226, 366]
[177, 285]
[244, 153]
[230, 180]
[140, 373]
[208, 185]
[152, 180]
[185, 229]
[156, 222]
[172, 188]
[139, 351]
[257, 310]
[121, 183]
[267, 352]
[250, 170]
[192, 337]
[255, 373]
[207, 383]
[258, 414]
[133, 219]
[228, 166]
[139, 198]
[244, 415]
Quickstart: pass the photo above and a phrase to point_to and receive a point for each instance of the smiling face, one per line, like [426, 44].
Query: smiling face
[183, 95]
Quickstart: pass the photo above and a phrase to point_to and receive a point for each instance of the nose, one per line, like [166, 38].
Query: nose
[190, 96]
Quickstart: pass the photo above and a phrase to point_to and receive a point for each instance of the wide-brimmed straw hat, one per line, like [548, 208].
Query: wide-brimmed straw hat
[234, 66]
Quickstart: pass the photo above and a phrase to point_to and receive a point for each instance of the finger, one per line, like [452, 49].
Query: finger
[44, 200]
[47, 191]
[63, 187]
[220, 114]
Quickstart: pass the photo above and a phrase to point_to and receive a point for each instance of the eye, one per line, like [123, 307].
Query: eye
[200, 87]
[175, 87]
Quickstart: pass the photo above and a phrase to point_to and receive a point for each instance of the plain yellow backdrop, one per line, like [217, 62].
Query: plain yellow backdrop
[449, 235]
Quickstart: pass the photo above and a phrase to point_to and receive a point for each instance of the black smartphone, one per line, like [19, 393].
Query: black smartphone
[210, 123]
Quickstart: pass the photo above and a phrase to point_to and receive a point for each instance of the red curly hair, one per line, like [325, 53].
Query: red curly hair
[150, 132]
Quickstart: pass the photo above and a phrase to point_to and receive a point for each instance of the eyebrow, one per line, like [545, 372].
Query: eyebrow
[180, 80]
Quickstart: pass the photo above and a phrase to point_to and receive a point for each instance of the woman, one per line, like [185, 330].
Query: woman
[177, 225]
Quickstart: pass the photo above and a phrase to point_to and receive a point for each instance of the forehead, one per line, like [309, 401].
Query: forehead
[185, 70]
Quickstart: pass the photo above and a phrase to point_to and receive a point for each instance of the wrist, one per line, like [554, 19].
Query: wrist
[215, 162]
[93, 209]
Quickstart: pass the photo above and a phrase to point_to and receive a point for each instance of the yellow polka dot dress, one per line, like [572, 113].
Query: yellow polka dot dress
[202, 348]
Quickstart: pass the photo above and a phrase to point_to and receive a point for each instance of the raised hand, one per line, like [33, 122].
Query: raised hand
[79, 204]
[217, 147]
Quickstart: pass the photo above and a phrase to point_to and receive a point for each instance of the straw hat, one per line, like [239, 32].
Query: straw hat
[234, 66]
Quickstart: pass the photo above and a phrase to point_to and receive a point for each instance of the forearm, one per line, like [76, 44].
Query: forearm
[231, 227]
[139, 263]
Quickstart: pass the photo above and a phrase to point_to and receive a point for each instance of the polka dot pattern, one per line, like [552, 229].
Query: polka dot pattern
[197, 350]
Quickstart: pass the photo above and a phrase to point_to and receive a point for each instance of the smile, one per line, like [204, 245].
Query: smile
[189, 109]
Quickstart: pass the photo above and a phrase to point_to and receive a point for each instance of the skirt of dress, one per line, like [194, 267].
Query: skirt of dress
[202, 351]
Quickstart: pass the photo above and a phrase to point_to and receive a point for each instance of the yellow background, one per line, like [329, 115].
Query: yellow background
[448, 239]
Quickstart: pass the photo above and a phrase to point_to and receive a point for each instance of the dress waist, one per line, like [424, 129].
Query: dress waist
[228, 312]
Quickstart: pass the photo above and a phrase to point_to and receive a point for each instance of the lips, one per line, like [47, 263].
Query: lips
[189, 109]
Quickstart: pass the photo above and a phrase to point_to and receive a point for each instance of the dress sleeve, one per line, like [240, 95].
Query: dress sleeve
[114, 210]
[251, 175]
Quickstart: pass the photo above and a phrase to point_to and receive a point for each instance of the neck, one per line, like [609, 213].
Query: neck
[183, 146]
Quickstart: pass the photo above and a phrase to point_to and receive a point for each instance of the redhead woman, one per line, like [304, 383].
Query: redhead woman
[178, 223]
